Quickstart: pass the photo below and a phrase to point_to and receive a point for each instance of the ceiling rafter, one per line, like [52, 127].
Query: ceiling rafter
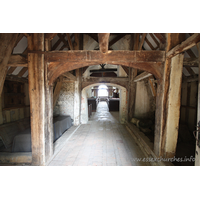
[136, 41]
[11, 70]
[19, 39]
[160, 37]
[154, 39]
[64, 45]
[190, 71]
[56, 44]
[142, 41]
[69, 41]
[149, 44]
[190, 53]
[62, 37]
[103, 42]
[116, 39]
[50, 36]
[22, 71]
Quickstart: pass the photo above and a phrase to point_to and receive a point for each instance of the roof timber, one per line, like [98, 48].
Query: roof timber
[185, 45]
[17, 60]
[60, 62]
[160, 37]
[84, 55]
[69, 41]
[142, 41]
[22, 71]
[50, 36]
[103, 41]
[190, 62]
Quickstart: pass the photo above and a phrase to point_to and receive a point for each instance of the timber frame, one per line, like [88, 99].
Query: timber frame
[46, 64]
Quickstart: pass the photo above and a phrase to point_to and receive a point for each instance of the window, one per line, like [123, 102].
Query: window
[103, 91]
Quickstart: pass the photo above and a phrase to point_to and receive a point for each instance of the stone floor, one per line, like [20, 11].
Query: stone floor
[103, 141]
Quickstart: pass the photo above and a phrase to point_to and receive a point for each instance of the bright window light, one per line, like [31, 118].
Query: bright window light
[102, 91]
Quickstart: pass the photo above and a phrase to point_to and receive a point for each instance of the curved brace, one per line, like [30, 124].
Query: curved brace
[61, 62]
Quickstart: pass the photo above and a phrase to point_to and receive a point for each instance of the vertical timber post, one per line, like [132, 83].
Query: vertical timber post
[132, 75]
[7, 41]
[40, 101]
[173, 107]
[168, 101]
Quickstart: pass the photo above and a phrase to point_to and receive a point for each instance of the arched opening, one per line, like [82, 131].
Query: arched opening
[102, 91]
[123, 107]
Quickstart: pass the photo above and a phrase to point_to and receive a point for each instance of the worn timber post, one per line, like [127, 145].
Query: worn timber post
[197, 152]
[168, 102]
[7, 41]
[131, 93]
[132, 74]
[77, 88]
[40, 101]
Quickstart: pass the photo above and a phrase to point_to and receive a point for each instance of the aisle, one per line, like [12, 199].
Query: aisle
[103, 141]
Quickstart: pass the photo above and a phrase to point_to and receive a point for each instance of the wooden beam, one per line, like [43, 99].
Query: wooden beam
[131, 93]
[19, 38]
[142, 41]
[69, 41]
[16, 78]
[70, 76]
[22, 72]
[160, 37]
[162, 97]
[152, 87]
[190, 53]
[187, 44]
[190, 78]
[103, 39]
[63, 40]
[84, 69]
[49, 36]
[11, 70]
[142, 76]
[136, 41]
[116, 80]
[56, 44]
[7, 41]
[17, 61]
[111, 56]
[57, 90]
[60, 62]
[190, 71]
[104, 79]
[116, 39]
[154, 39]
[190, 62]
[40, 102]
[149, 43]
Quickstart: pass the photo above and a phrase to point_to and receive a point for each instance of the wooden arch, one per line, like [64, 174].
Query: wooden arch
[61, 62]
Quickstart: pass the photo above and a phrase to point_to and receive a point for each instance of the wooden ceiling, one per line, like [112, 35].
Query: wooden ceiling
[66, 41]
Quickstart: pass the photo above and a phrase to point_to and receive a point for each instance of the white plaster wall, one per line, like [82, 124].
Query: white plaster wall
[65, 102]
[142, 102]
[84, 107]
